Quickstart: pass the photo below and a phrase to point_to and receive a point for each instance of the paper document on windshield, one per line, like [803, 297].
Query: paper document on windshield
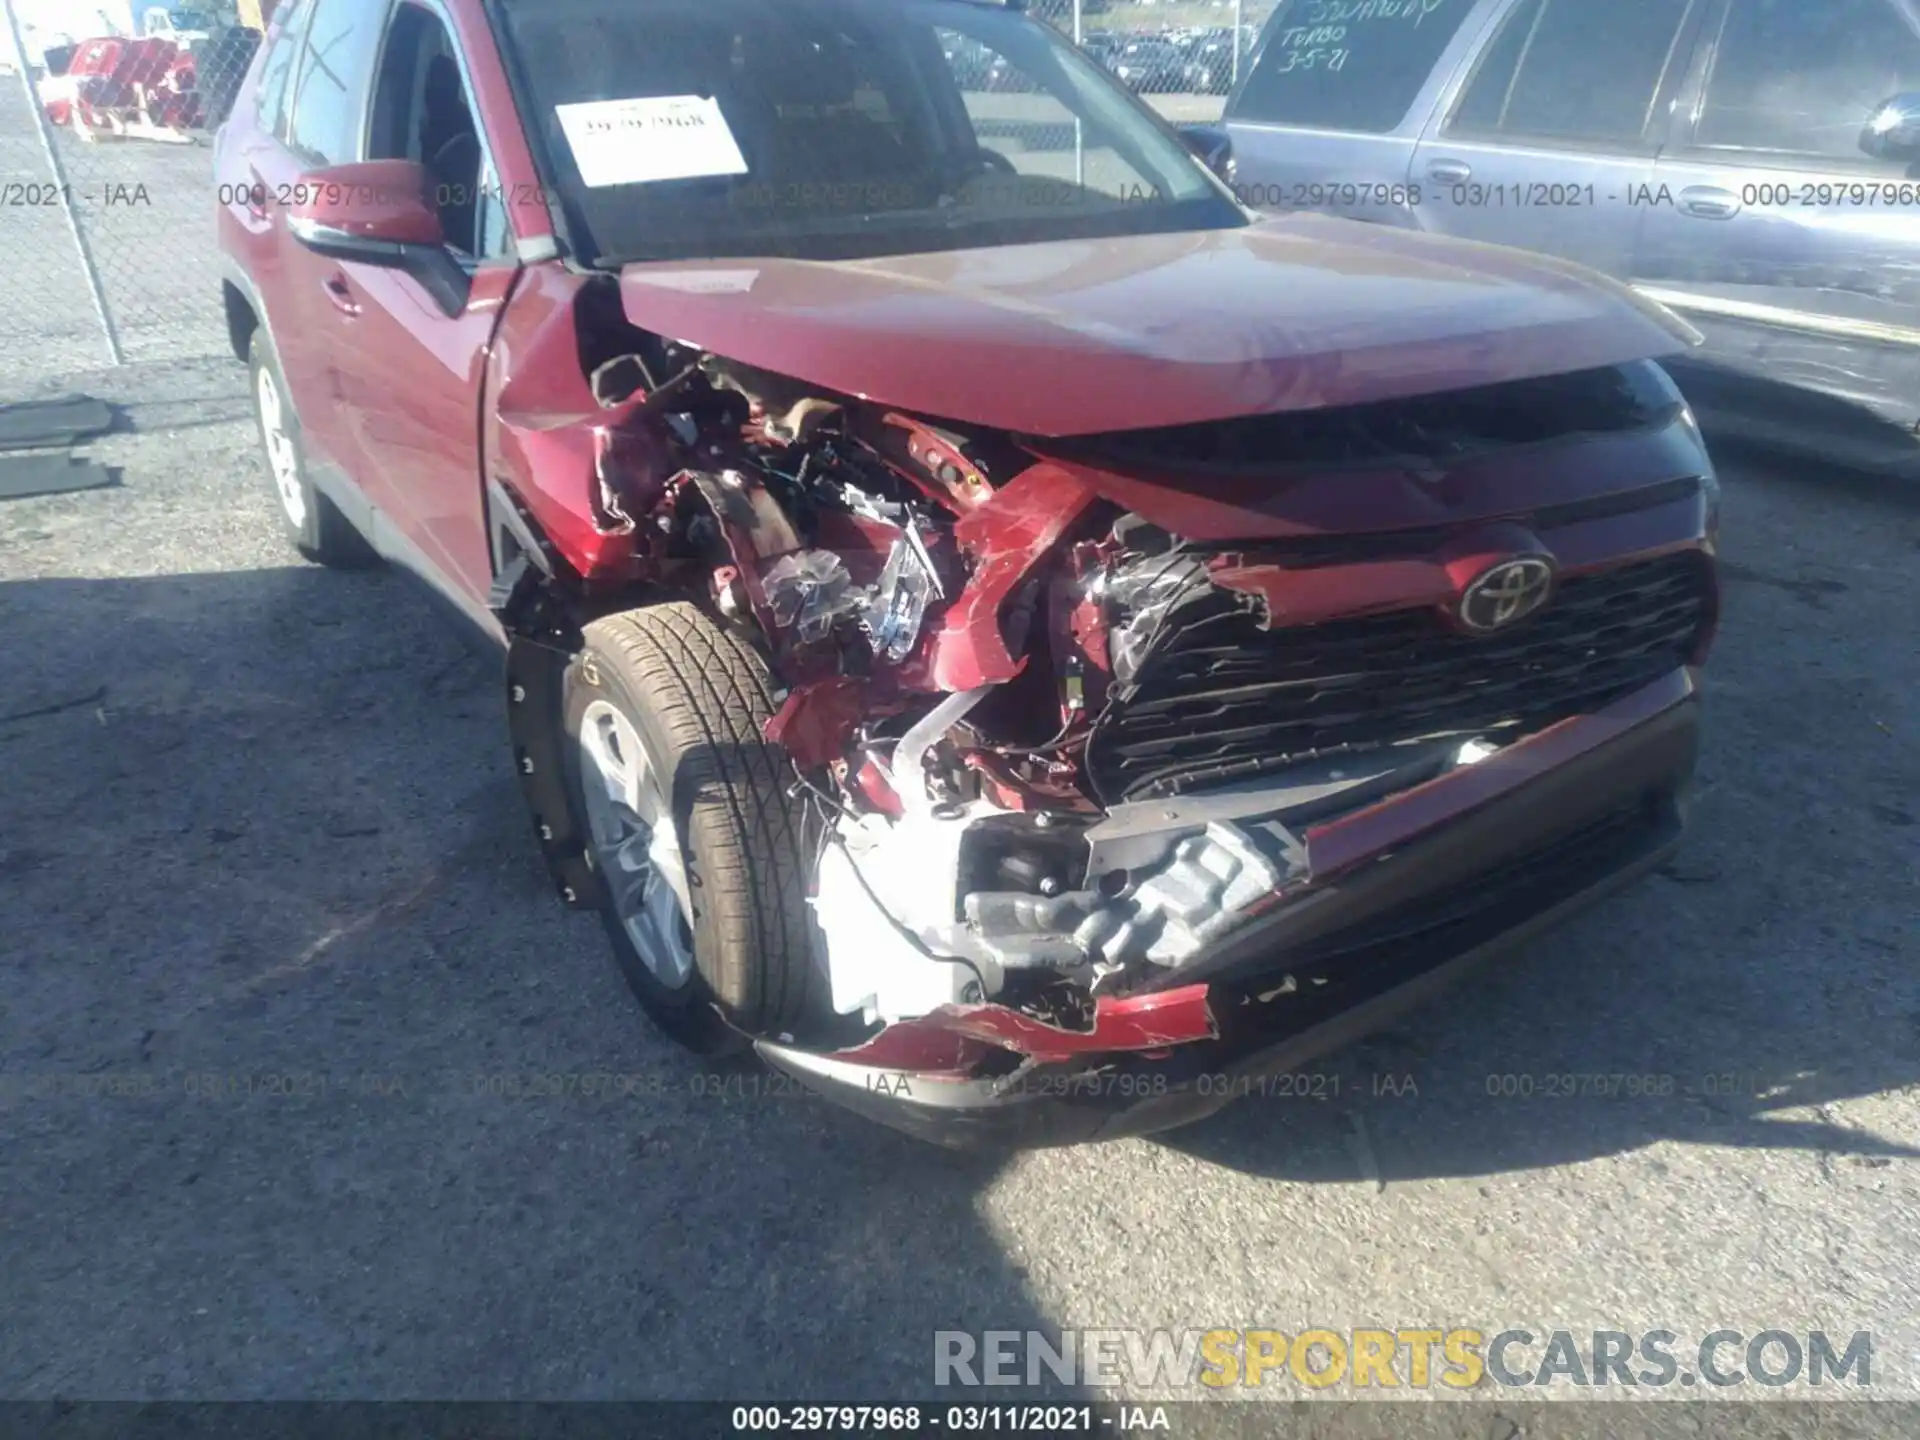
[663, 137]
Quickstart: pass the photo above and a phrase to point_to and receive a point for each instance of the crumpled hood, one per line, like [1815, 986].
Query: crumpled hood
[1083, 336]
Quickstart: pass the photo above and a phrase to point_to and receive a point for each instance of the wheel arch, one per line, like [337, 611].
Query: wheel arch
[543, 607]
[242, 308]
[241, 318]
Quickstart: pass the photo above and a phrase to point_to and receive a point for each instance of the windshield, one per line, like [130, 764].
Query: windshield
[835, 129]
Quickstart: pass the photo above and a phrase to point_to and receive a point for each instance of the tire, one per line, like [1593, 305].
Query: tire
[313, 524]
[696, 697]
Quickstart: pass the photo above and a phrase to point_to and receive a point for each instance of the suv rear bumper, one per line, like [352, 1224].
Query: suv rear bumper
[1371, 942]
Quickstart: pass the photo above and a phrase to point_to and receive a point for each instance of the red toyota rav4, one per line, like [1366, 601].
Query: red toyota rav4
[989, 622]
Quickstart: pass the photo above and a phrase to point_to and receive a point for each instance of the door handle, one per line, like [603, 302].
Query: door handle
[257, 194]
[341, 294]
[1709, 202]
[1449, 172]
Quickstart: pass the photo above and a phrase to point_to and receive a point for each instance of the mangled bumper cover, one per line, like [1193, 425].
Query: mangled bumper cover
[1408, 895]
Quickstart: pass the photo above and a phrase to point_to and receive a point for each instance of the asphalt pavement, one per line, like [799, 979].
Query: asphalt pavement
[283, 981]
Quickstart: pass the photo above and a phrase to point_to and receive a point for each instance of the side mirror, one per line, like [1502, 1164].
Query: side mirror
[1894, 131]
[380, 212]
[1212, 147]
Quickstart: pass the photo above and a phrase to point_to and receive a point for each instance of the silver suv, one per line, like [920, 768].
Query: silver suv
[1750, 163]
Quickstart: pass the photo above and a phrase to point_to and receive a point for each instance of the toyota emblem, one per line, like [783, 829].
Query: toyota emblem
[1506, 594]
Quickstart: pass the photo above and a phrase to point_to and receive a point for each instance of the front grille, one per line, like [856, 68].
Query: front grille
[1218, 698]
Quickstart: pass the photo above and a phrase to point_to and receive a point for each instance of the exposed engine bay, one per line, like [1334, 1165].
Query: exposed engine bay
[1058, 730]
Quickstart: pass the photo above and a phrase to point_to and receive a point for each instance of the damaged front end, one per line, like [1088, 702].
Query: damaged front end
[1138, 763]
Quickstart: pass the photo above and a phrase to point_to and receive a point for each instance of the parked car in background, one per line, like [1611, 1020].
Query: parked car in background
[1026, 659]
[188, 29]
[1749, 163]
[1209, 65]
[969, 60]
[1148, 64]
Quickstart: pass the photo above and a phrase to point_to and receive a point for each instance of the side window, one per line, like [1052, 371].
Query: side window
[421, 113]
[329, 95]
[1342, 65]
[1025, 132]
[278, 68]
[1483, 108]
[492, 234]
[1584, 71]
[1803, 79]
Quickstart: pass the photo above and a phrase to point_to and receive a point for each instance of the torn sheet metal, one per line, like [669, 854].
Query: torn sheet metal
[1131, 1023]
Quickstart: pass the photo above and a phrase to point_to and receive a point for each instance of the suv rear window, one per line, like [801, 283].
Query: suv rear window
[1345, 64]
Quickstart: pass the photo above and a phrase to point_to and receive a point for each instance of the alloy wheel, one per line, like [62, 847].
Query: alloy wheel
[633, 843]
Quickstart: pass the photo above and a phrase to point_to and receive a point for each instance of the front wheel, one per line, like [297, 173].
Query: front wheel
[689, 827]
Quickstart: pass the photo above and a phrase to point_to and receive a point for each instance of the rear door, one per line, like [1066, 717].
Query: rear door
[325, 103]
[257, 188]
[1549, 143]
[1335, 96]
[1797, 252]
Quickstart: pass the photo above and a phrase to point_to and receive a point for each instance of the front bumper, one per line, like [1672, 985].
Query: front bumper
[1409, 896]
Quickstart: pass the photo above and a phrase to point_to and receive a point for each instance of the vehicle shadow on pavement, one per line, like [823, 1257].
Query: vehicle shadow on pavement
[326, 1095]
[1734, 999]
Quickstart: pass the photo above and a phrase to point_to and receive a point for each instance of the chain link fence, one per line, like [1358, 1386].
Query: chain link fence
[1182, 56]
[106, 184]
[106, 181]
